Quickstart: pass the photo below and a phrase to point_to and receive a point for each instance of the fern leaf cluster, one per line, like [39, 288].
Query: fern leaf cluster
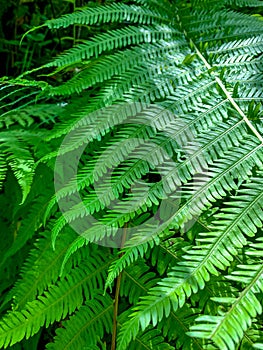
[136, 181]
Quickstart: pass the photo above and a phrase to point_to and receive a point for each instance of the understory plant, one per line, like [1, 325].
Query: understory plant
[131, 181]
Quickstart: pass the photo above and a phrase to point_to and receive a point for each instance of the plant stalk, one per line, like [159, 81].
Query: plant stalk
[116, 298]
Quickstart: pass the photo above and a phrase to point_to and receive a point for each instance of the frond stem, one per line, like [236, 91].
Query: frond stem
[117, 292]
[220, 83]
[228, 95]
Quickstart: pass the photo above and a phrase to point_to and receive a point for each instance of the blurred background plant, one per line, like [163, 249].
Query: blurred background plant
[19, 16]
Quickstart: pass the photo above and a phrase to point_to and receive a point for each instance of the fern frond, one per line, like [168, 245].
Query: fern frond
[136, 281]
[116, 39]
[45, 271]
[3, 169]
[121, 63]
[163, 7]
[175, 327]
[34, 208]
[109, 13]
[253, 336]
[166, 254]
[89, 324]
[26, 116]
[192, 274]
[228, 329]
[60, 300]
[20, 159]
[151, 339]
[177, 175]
[182, 215]
[85, 177]
[205, 192]
[243, 3]
[6, 83]
[129, 256]
[161, 255]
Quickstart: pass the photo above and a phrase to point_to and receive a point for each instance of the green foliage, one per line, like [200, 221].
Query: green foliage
[131, 180]
[20, 53]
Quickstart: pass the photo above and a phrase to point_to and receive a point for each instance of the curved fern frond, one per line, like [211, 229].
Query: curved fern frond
[228, 329]
[60, 300]
[47, 267]
[34, 207]
[87, 326]
[110, 13]
[161, 255]
[20, 159]
[123, 63]
[117, 39]
[190, 275]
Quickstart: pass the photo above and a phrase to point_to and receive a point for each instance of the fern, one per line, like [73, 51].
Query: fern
[87, 326]
[150, 129]
[3, 170]
[117, 39]
[229, 328]
[109, 13]
[54, 304]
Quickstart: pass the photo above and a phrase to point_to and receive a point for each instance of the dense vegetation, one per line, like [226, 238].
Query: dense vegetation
[131, 171]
